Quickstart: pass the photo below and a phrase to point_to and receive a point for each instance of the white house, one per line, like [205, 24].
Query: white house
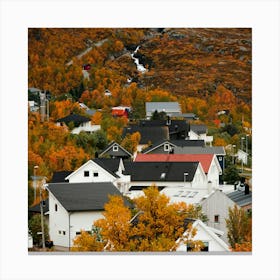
[199, 132]
[80, 123]
[215, 206]
[242, 156]
[74, 207]
[209, 236]
[91, 172]
[209, 162]
[164, 175]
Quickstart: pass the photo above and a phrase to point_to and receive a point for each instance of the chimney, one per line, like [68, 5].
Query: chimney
[247, 190]
[209, 187]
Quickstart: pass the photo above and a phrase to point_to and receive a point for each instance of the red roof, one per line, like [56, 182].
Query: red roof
[204, 159]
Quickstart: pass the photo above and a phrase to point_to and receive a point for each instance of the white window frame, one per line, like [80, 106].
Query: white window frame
[115, 148]
[166, 147]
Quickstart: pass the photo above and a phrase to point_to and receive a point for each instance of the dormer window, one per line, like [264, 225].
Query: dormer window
[115, 148]
[166, 147]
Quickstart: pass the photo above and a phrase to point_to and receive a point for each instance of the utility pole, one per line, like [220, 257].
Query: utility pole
[35, 180]
[42, 220]
[242, 160]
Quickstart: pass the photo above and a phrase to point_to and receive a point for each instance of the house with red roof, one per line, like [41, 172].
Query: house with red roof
[209, 163]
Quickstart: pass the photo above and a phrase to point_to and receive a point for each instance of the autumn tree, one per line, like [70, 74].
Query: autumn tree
[87, 242]
[153, 225]
[239, 226]
[131, 141]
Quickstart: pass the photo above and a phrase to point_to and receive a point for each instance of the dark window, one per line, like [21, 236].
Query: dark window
[86, 173]
[95, 174]
[78, 233]
[59, 232]
[216, 219]
[206, 247]
[64, 232]
[55, 207]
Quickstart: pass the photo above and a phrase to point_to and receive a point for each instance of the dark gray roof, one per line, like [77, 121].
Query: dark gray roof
[240, 198]
[109, 151]
[198, 128]
[217, 150]
[152, 171]
[36, 208]
[76, 119]
[83, 196]
[148, 134]
[177, 143]
[59, 176]
[174, 126]
[109, 164]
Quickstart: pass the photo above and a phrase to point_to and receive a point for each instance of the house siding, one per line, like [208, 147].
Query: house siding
[202, 235]
[103, 175]
[217, 204]
[82, 221]
[58, 222]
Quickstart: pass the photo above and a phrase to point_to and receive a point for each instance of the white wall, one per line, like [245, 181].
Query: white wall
[103, 176]
[82, 221]
[58, 221]
[213, 173]
[88, 127]
[200, 179]
[204, 236]
[217, 204]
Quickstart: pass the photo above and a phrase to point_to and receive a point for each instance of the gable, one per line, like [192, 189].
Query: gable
[114, 149]
[91, 172]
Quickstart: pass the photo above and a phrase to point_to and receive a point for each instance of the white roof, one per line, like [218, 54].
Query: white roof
[183, 194]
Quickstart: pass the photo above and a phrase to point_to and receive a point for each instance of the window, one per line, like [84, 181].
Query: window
[86, 173]
[220, 158]
[204, 249]
[95, 174]
[55, 207]
[64, 232]
[162, 176]
[115, 148]
[166, 147]
[78, 233]
[216, 219]
[59, 232]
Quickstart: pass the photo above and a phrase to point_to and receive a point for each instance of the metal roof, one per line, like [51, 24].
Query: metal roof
[240, 198]
[153, 171]
[163, 106]
[83, 196]
[218, 150]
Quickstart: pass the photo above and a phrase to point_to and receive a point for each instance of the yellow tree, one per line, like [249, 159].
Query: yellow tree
[154, 225]
[239, 225]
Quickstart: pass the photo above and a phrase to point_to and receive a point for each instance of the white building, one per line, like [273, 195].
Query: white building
[80, 123]
[209, 236]
[242, 156]
[74, 207]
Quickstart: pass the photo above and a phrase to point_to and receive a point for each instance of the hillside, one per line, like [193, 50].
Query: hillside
[189, 62]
